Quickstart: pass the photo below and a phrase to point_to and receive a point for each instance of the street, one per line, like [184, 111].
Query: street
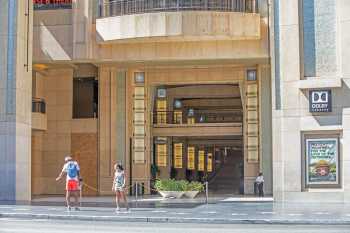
[57, 226]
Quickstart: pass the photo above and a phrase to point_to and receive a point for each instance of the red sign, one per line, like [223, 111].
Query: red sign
[52, 2]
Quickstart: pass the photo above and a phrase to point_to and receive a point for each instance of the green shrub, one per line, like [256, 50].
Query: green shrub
[195, 186]
[170, 185]
[178, 185]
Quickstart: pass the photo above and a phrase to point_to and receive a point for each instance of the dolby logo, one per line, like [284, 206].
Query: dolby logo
[320, 101]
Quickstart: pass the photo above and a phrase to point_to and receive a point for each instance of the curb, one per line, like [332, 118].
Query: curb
[173, 219]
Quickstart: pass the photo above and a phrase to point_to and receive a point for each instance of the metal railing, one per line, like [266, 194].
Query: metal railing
[198, 116]
[129, 7]
[38, 105]
[52, 4]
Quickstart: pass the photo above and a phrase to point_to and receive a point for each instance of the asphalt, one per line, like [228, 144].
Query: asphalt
[59, 226]
[220, 212]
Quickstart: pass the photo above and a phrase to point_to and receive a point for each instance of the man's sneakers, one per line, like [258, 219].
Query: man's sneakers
[118, 211]
[69, 208]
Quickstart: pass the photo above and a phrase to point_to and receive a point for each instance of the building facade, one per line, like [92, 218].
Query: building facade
[197, 90]
[310, 95]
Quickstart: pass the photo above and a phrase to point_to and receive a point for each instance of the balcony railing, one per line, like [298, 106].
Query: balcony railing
[52, 4]
[38, 105]
[197, 116]
[128, 7]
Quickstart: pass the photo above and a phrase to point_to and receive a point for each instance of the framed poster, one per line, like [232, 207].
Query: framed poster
[177, 155]
[322, 161]
[162, 155]
[210, 162]
[201, 160]
[190, 158]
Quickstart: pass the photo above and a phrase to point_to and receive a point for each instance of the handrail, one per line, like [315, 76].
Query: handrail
[183, 116]
[129, 7]
[215, 174]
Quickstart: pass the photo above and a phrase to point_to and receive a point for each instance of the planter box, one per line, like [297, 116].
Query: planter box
[171, 194]
[191, 194]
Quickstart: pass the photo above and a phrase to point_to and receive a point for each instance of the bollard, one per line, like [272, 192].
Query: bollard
[136, 192]
[81, 193]
[206, 192]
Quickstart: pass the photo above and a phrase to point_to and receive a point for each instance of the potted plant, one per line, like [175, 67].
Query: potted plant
[170, 188]
[193, 188]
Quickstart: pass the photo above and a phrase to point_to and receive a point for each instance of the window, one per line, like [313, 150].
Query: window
[85, 97]
[319, 30]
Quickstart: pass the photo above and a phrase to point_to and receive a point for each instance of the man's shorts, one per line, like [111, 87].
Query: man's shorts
[72, 185]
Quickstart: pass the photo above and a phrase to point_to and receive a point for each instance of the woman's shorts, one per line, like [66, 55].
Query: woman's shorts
[72, 185]
[119, 189]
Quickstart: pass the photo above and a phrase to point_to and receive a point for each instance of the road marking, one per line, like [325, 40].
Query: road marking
[238, 214]
[159, 211]
[124, 212]
[322, 213]
[296, 214]
[180, 213]
[19, 209]
[267, 212]
[209, 212]
[53, 209]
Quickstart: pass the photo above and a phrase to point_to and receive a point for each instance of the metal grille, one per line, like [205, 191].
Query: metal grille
[128, 7]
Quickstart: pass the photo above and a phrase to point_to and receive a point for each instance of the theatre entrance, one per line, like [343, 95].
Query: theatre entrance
[217, 160]
[205, 133]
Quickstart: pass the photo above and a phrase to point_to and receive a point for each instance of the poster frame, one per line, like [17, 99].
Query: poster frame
[330, 184]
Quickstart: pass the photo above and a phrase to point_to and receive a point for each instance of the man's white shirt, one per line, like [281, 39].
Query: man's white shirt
[259, 179]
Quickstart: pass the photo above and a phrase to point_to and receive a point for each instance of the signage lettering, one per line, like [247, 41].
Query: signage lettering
[320, 101]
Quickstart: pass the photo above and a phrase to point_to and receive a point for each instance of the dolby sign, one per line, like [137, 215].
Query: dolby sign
[320, 101]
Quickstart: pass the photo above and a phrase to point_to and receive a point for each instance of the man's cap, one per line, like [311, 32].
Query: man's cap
[67, 158]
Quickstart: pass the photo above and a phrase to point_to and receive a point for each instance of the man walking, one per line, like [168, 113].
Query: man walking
[72, 170]
[260, 183]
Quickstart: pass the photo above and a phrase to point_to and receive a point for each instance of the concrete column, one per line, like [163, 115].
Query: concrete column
[15, 99]
[266, 127]
[83, 15]
[121, 117]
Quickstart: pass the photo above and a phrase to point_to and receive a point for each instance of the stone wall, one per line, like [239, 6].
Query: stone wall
[84, 150]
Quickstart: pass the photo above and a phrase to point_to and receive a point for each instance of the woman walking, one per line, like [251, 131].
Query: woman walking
[119, 186]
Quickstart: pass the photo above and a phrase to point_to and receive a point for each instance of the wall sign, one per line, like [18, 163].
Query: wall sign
[320, 101]
[322, 161]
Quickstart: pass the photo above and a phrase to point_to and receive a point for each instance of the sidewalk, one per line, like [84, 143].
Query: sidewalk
[193, 211]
